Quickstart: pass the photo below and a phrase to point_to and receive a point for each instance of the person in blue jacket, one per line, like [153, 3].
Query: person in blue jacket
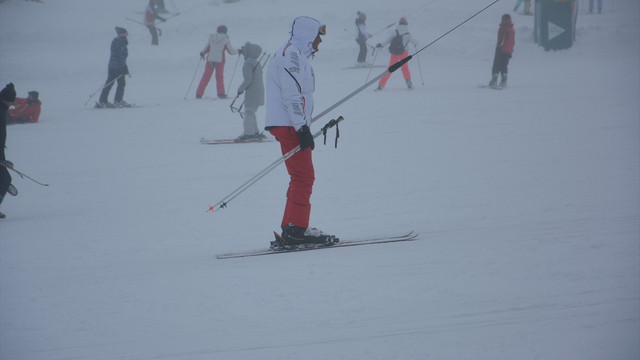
[117, 70]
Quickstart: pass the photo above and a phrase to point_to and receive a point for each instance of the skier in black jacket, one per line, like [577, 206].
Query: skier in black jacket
[7, 97]
[117, 70]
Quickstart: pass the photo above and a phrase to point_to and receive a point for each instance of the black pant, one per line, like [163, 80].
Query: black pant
[154, 34]
[500, 62]
[362, 55]
[113, 75]
[5, 181]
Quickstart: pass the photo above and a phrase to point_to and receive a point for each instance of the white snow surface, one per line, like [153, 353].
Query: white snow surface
[526, 200]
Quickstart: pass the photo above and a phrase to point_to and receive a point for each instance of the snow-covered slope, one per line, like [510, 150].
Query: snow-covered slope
[527, 200]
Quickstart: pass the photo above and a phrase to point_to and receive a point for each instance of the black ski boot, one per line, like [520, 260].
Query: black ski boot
[294, 236]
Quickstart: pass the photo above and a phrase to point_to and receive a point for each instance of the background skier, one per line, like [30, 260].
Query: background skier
[361, 38]
[150, 16]
[117, 71]
[215, 50]
[504, 49]
[7, 97]
[253, 89]
[400, 52]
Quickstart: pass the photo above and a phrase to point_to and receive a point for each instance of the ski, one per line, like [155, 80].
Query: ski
[232, 141]
[115, 107]
[496, 87]
[355, 242]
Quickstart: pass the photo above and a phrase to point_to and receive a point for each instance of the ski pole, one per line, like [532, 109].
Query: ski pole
[193, 78]
[22, 175]
[375, 56]
[420, 68]
[225, 201]
[233, 73]
[100, 89]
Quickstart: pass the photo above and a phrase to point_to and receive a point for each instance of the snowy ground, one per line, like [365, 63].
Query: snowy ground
[527, 200]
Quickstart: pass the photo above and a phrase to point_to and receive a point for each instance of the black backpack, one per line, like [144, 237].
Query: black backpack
[396, 46]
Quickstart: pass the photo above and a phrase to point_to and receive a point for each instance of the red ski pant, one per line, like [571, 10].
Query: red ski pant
[405, 68]
[302, 176]
[206, 76]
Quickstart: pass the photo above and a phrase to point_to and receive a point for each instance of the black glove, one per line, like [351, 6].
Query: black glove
[240, 92]
[8, 163]
[306, 138]
[201, 56]
[379, 45]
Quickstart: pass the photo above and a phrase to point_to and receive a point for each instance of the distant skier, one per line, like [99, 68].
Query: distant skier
[527, 6]
[504, 49]
[253, 89]
[215, 49]
[7, 97]
[290, 88]
[361, 38]
[398, 42]
[150, 16]
[117, 71]
[26, 110]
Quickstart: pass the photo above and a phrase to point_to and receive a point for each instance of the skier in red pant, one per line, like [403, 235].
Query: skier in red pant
[398, 42]
[218, 44]
[290, 86]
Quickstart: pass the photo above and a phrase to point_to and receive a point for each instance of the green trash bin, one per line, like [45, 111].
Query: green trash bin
[554, 27]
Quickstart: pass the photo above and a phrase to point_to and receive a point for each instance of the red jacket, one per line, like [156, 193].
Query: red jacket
[506, 37]
[24, 112]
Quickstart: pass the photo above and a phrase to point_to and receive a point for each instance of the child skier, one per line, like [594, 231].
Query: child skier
[215, 50]
[253, 88]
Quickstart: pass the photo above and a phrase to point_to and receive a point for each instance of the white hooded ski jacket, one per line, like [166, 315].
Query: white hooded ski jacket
[290, 79]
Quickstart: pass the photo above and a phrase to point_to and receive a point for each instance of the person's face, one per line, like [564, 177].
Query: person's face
[316, 43]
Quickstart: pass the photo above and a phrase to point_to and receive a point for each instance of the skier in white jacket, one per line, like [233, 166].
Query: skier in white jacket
[290, 86]
[215, 49]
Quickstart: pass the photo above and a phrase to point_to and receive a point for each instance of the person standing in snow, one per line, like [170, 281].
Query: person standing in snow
[398, 42]
[26, 110]
[504, 49]
[117, 71]
[361, 38]
[290, 87]
[253, 89]
[150, 16]
[215, 49]
[7, 97]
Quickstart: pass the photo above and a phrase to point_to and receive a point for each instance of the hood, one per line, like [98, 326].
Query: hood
[252, 50]
[303, 31]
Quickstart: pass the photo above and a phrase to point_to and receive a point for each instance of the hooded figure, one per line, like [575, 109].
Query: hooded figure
[290, 87]
[504, 49]
[215, 49]
[253, 89]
